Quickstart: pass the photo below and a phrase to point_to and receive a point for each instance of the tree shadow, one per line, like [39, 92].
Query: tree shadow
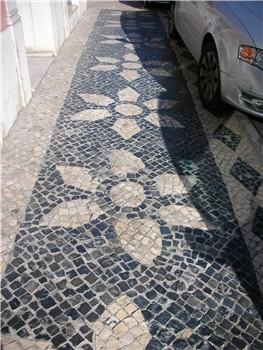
[189, 153]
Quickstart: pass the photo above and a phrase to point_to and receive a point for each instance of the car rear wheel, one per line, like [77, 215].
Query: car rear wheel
[209, 78]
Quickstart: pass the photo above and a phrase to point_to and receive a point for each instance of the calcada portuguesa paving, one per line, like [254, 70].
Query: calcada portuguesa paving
[130, 239]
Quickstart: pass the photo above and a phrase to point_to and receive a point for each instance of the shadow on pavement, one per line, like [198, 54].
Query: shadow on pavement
[189, 155]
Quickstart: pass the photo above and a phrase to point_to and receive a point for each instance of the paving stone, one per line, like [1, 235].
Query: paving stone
[72, 213]
[130, 75]
[95, 99]
[128, 109]
[140, 238]
[78, 177]
[161, 120]
[248, 176]
[131, 237]
[126, 128]
[127, 194]
[124, 162]
[128, 94]
[172, 184]
[91, 115]
[103, 68]
[182, 215]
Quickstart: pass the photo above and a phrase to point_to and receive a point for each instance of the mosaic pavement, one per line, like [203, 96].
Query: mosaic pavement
[131, 239]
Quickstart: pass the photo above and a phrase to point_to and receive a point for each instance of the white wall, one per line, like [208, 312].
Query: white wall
[47, 23]
[11, 97]
[25, 11]
[38, 26]
[15, 80]
[58, 20]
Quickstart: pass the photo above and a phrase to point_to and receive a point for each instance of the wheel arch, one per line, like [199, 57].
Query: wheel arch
[222, 53]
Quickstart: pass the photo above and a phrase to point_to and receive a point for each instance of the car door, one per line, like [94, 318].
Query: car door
[190, 25]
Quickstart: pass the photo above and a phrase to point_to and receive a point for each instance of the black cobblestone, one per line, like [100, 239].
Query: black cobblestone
[69, 276]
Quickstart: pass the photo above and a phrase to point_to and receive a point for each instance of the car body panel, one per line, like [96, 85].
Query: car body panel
[223, 22]
[250, 14]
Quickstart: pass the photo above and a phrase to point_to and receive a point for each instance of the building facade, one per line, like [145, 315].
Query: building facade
[30, 28]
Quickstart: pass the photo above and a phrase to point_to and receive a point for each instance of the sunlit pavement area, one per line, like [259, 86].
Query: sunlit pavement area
[133, 216]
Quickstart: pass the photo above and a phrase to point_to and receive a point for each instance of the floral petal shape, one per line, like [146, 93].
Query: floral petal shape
[128, 94]
[129, 46]
[112, 25]
[131, 65]
[126, 128]
[98, 99]
[103, 68]
[121, 326]
[124, 162]
[107, 59]
[130, 75]
[91, 115]
[108, 36]
[162, 120]
[128, 109]
[110, 42]
[180, 215]
[160, 72]
[131, 57]
[127, 194]
[140, 238]
[78, 177]
[155, 103]
[72, 214]
[172, 184]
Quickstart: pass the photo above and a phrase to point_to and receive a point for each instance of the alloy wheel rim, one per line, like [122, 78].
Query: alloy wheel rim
[209, 75]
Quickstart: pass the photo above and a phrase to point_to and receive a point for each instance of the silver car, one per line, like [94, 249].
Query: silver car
[226, 38]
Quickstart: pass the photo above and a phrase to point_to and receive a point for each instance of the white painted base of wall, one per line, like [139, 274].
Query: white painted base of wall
[15, 80]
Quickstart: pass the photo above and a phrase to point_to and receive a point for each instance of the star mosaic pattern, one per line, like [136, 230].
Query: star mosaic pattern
[130, 240]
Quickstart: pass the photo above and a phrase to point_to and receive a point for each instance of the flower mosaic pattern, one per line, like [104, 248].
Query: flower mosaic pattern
[78, 177]
[72, 214]
[121, 326]
[107, 59]
[97, 99]
[172, 184]
[127, 194]
[126, 128]
[155, 103]
[162, 120]
[140, 238]
[91, 115]
[129, 75]
[128, 109]
[124, 162]
[183, 216]
[128, 94]
[139, 255]
[103, 67]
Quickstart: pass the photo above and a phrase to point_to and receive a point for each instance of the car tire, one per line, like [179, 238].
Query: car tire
[171, 26]
[209, 85]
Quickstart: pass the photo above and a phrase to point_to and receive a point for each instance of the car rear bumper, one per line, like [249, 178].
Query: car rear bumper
[244, 89]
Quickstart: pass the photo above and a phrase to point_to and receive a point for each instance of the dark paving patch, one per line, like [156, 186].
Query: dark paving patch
[60, 280]
[247, 175]
[227, 136]
[258, 223]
